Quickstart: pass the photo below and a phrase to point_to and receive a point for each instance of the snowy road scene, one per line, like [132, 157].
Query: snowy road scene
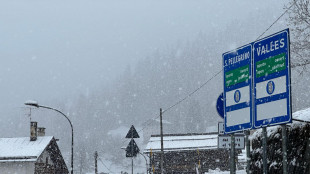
[155, 87]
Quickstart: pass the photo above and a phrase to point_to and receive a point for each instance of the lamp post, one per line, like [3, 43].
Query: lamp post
[145, 162]
[35, 104]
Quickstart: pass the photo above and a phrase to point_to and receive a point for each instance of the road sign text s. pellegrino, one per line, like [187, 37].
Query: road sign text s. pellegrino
[237, 89]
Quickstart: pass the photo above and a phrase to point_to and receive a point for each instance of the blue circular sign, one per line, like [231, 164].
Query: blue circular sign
[220, 105]
[270, 87]
[237, 96]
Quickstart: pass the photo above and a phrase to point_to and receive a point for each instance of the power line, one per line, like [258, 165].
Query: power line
[150, 122]
[180, 101]
[105, 165]
[177, 103]
[277, 19]
[190, 94]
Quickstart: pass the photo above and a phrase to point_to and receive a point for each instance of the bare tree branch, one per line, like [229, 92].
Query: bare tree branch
[299, 21]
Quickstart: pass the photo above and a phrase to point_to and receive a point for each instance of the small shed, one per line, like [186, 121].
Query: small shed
[24, 156]
[187, 153]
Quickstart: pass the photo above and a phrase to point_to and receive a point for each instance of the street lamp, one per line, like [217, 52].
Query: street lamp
[35, 104]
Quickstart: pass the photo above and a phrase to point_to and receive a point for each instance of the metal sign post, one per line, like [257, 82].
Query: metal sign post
[264, 150]
[247, 145]
[284, 149]
[232, 155]
[272, 94]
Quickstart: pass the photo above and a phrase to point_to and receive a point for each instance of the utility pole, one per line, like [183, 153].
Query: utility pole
[96, 166]
[161, 143]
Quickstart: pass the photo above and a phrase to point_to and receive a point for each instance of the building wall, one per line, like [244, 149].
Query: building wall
[51, 161]
[185, 162]
[17, 167]
[43, 157]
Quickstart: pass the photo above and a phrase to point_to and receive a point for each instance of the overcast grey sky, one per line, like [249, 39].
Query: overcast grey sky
[52, 49]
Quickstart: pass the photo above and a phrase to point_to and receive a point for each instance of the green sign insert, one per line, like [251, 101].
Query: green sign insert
[271, 65]
[237, 75]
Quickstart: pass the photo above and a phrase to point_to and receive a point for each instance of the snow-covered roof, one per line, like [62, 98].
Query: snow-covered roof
[120, 131]
[302, 114]
[163, 121]
[182, 142]
[22, 149]
[153, 120]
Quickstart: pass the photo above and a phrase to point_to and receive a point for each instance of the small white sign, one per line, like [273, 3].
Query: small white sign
[221, 128]
[224, 142]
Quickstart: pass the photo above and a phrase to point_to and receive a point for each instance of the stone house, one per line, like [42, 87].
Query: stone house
[37, 154]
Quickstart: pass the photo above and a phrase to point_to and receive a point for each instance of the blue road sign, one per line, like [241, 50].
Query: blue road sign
[220, 106]
[272, 105]
[237, 89]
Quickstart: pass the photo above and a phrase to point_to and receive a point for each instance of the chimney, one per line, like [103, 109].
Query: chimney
[33, 130]
[41, 131]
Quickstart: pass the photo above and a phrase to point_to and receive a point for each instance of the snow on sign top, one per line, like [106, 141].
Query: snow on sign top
[176, 143]
[22, 148]
[237, 84]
